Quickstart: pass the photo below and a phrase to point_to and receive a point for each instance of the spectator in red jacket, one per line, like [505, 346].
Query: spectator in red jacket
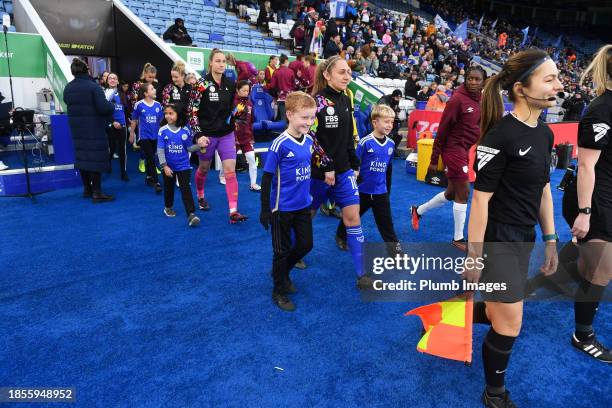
[297, 65]
[306, 80]
[246, 70]
[283, 82]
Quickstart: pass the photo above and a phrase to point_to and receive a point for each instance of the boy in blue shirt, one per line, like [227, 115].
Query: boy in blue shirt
[375, 152]
[285, 194]
[173, 148]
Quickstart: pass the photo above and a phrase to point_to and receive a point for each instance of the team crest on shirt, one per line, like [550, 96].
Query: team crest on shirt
[184, 137]
[465, 169]
[390, 151]
[484, 155]
[156, 110]
[600, 129]
[330, 110]
[470, 110]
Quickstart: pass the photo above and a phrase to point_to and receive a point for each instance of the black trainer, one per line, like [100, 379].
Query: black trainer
[593, 348]
[193, 220]
[497, 401]
[169, 212]
[341, 243]
[101, 198]
[203, 204]
[158, 188]
[283, 302]
[365, 282]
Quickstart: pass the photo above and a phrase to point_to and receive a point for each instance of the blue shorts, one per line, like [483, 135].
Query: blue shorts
[343, 193]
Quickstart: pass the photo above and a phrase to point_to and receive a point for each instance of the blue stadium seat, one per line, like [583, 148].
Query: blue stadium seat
[156, 22]
[147, 13]
[137, 4]
[244, 48]
[8, 7]
[156, 1]
[200, 37]
[165, 8]
[263, 113]
[216, 37]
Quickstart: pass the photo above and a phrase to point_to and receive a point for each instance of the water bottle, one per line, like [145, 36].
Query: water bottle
[52, 106]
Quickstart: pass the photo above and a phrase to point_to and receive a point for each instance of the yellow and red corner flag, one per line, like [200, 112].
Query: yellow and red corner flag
[448, 328]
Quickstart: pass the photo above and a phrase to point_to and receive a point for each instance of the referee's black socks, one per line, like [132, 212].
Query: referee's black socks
[586, 303]
[496, 350]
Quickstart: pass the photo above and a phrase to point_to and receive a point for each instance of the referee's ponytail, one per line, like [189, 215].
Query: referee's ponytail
[600, 69]
[518, 68]
[492, 104]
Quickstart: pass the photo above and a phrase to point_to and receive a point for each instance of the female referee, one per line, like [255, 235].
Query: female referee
[593, 225]
[511, 194]
[459, 129]
[334, 131]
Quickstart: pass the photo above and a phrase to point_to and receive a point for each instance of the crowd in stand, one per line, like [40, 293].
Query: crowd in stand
[387, 44]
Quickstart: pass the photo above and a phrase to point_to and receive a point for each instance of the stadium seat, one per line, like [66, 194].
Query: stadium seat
[147, 13]
[216, 37]
[263, 113]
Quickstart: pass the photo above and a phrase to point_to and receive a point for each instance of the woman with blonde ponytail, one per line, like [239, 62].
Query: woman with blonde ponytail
[334, 129]
[511, 195]
[178, 91]
[593, 223]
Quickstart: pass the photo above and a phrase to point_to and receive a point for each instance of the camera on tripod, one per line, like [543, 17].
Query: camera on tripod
[22, 120]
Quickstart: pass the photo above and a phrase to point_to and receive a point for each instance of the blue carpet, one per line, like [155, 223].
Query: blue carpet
[137, 310]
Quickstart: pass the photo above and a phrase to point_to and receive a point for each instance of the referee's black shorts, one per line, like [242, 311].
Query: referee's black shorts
[507, 249]
[601, 222]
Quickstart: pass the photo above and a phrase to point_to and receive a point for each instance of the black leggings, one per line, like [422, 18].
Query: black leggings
[381, 207]
[116, 142]
[287, 254]
[183, 179]
[149, 148]
[92, 181]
